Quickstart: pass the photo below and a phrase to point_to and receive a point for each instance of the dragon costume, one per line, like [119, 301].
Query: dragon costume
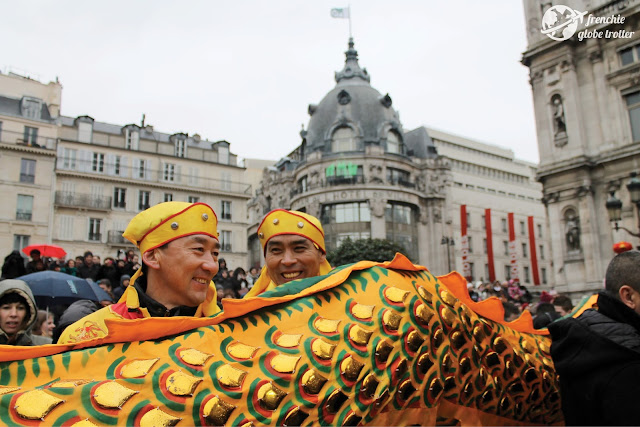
[369, 344]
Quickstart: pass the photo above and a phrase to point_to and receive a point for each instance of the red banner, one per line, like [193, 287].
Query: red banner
[464, 243]
[513, 250]
[487, 226]
[532, 251]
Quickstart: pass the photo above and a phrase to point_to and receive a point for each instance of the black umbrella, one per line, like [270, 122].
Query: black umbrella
[52, 287]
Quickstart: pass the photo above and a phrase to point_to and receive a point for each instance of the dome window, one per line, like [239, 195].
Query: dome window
[393, 143]
[343, 140]
[343, 97]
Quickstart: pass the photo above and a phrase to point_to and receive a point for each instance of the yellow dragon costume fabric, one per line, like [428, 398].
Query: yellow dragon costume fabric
[369, 344]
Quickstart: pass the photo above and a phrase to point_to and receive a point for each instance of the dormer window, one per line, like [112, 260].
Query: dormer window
[393, 143]
[181, 147]
[223, 154]
[131, 138]
[31, 107]
[343, 140]
[85, 128]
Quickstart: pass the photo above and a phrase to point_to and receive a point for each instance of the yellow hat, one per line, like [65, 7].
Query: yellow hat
[281, 221]
[168, 221]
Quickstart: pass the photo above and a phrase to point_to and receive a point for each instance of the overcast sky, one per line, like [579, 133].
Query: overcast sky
[245, 71]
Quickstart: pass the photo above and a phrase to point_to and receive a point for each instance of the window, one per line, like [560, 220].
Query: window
[94, 229]
[119, 197]
[397, 176]
[98, 162]
[31, 136]
[507, 272]
[24, 208]
[132, 139]
[469, 219]
[401, 222]
[225, 210]
[28, 171]
[342, 220]
[543, 273]
[225, 241]
[506, 247]
[225, 177]
[633, 105]
[472, 270]
[85, 131]
[541, 248]
[20, 241]
[223, 154]
[540, 231]
[117, 163]
[470, 244]
[169, 172]
[143, 200]
[69, 156]
[65, 232]
[486, 271]
[522, 228]
[343, 139]
[504, 225]
[194, 173]
[629, 55]
[524, 250]
[168, 197]
[181, 148]
[484, 222]
[393, 143]
[193, 199]
[302, 184]
[526, 274]
[484, 245]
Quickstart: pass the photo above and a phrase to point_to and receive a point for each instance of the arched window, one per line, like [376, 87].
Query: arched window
[343, 139]
[393, 143]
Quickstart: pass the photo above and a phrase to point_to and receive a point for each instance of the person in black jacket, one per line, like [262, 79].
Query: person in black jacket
[597, 355]
[13, 266]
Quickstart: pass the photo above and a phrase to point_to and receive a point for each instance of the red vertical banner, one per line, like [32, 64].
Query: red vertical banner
[487, 226]
[464, 243]
[532, 251]
[513, 250]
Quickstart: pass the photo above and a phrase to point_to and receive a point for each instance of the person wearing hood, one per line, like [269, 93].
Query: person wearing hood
[18, 313]
[13, 266]
[597, 355]
[125, 279]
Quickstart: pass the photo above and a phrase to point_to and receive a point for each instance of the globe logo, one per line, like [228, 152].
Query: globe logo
[560, 22]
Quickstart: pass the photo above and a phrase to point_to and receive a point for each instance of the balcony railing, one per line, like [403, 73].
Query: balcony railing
[95, 237]
[114, 237]
[88, 201]
[23, 215]
[347, 180]
[25, 177]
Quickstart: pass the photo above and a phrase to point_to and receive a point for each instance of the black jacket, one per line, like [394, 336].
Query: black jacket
[597, 357]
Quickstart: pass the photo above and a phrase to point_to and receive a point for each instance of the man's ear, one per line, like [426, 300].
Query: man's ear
[151, 258]
[629, 296]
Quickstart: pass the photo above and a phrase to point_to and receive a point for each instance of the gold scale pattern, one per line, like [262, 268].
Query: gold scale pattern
[384, 347]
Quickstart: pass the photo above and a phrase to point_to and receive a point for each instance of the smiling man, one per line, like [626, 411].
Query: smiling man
[180, 249]
[293, 247]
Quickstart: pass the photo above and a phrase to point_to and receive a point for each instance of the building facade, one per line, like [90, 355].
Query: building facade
[92, 177]
[364, 176]
[586, 94]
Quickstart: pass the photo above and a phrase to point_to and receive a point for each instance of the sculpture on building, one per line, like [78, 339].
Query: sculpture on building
[572, 231]
[559, 123]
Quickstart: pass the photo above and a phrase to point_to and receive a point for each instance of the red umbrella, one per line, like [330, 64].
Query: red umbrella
[52, 251]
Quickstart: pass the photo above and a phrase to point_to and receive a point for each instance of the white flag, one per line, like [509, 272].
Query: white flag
[340, 12]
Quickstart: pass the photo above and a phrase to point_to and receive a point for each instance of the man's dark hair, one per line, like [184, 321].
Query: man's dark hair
[34, 252]
[510, 308]
[564, 302]
[88, 253]
[624, 269]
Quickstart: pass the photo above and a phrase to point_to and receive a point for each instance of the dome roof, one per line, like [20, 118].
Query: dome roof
[355, 104]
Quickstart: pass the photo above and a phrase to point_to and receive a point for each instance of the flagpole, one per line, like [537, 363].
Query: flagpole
[349, 8]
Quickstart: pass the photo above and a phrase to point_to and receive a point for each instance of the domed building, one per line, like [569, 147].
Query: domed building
[361, 173]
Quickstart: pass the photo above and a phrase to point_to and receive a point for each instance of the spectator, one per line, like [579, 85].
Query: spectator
[70, 268]
[76, 311]
[597, 355]
[89, 270]
[105, 285]
[109, 270]
[125, 279]
[239, 281]
[79, 261]
[44, 325]
[563, 305]
[545, 314]
[254, 273]
[17, 314]
[36, 263]
[13, 266]
[511, 311]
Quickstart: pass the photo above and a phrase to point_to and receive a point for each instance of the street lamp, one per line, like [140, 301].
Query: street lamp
[449, 242]
[614, 205]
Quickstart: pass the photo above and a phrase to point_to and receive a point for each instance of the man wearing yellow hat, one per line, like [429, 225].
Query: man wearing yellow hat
[179, 246]
[293, 247]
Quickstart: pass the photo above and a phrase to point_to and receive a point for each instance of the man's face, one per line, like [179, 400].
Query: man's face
[290, 257]
[12, 317]
[88, 260]
[186, 267]
[560, 310]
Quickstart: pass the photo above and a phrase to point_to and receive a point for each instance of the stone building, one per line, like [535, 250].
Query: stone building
[28, 115]
[364, 176]
[586, 94]
[90, 178]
